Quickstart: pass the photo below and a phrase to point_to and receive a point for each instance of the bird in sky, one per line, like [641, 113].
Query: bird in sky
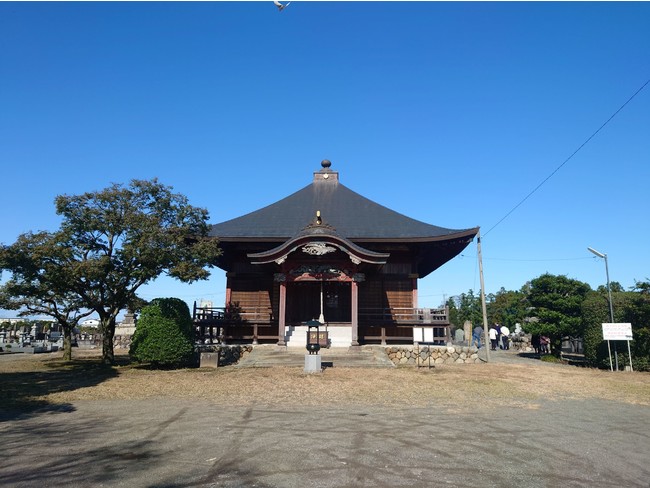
[280, 6]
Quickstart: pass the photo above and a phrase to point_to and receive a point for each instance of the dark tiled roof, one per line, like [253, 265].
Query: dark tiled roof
[352, 215]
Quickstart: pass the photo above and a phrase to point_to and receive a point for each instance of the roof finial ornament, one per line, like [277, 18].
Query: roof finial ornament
[318, 219]
[326, 163]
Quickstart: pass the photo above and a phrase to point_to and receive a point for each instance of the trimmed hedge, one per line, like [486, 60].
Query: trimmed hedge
[164, 334]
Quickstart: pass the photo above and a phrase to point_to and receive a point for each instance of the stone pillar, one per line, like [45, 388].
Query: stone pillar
[467, 327]
[313, 363]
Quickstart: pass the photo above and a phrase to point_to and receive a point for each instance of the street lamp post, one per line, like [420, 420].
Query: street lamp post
[611, 307]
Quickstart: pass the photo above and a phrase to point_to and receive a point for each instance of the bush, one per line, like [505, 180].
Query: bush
[164, 334]
[549, 358]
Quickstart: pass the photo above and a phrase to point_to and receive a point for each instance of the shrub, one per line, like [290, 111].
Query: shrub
[549, 358]
[164, 334]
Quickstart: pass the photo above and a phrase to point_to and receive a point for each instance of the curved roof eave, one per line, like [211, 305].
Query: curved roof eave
[282, 251]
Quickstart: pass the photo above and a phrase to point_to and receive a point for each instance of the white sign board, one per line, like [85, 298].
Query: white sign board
[428, 335]
[423, 335]
[417, 334]
[617, 332]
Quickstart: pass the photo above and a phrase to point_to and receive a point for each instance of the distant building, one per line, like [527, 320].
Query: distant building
[90, 323]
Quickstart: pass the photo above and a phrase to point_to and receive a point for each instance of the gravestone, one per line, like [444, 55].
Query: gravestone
[459, 335]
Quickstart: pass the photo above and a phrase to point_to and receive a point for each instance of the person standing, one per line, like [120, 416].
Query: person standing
[544, 343]
[535, 342]
[505, 337]
[494, 335]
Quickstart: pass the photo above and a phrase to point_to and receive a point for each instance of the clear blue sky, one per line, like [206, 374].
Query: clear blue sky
[450, 113]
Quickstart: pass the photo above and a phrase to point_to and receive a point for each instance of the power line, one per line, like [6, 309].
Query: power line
[567, 159]
[530, 260]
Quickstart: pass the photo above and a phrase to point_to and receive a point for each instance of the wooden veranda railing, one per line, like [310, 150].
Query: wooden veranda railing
[220, 324]
[396, 324]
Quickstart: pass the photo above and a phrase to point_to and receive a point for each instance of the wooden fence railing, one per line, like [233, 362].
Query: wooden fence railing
[220, 324]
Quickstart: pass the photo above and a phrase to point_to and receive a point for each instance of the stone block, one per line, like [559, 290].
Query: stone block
[209, 360]
[313, 363]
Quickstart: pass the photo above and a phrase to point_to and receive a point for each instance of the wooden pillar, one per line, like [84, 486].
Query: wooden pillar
[415, 292]
[355, 313]
[228, 296]
[282, 313]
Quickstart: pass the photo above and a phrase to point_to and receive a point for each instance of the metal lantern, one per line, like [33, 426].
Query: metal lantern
[313, 345]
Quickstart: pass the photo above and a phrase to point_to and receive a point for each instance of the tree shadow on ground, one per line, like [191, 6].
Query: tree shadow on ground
[24, 393]
[529, 355]
[94, 459]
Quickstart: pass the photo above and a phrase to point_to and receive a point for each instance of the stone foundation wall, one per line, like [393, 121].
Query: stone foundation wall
[228, 355]
[521, 342]
[121, 341]
[407, 355]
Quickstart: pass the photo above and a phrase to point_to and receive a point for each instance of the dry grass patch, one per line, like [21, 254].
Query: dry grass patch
[449, 386]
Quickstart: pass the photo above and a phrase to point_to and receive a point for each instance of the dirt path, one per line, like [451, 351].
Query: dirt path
[494, 425]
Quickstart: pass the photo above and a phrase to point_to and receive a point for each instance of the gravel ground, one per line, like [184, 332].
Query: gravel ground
[507, 423]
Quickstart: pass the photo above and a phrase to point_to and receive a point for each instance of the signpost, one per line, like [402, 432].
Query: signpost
[422, 335]
[618, 332]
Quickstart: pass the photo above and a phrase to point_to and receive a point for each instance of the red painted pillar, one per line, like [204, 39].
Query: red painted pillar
[415, 292]
[282, 312]
[355, 313]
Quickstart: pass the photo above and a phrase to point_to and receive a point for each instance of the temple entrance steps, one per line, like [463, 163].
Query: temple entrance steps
[339, 335]
[267, 356]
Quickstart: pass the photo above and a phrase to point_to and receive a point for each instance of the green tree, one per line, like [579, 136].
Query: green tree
[124, 237]
[164, 334]
[595, 311]
[121, 238]
[469, 308]
[556, 302]
[629, 306]
[507, 308]
[453, 313]
[40, 282]
[637, 312]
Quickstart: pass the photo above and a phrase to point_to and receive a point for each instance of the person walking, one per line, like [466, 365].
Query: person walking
[505, 337]
[476, 336]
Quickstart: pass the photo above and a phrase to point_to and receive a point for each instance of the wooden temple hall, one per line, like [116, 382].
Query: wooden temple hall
[329, 254]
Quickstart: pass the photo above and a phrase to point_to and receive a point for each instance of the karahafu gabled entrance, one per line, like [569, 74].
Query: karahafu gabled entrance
[318, 272]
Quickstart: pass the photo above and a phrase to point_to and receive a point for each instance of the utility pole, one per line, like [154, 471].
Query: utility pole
[483, 306]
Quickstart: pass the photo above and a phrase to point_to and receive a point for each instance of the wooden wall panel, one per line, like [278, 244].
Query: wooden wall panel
[386, 293]
[254, 296]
